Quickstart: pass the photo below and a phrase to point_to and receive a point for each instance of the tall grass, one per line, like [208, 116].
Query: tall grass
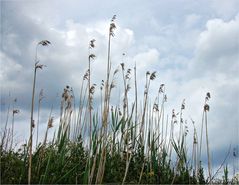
[131, 142]
[32, 122]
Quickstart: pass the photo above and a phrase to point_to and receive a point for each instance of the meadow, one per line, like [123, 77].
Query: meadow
[134, 142]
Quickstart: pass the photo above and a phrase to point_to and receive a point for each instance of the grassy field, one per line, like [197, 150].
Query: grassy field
[133, 142]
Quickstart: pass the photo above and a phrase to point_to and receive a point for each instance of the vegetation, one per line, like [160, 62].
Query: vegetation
[116, 144]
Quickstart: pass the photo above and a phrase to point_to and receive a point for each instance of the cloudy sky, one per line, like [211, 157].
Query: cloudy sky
[193, 46]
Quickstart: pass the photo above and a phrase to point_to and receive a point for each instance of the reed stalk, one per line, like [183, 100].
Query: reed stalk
[36, 66]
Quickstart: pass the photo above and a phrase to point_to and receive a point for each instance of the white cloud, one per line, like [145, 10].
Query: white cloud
[220, 38]
[147, 59]
[217, 48]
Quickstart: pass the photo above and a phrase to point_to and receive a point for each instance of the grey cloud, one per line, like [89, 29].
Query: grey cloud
[191, 53]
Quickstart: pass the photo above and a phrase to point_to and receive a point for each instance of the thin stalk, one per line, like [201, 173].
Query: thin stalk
[101, 168]
[90, 120]
[141, 172]
[127, 167]
[38, 115]
[36, 66]
[5, 128]
[81, 111]
[181, 127]
[48, 127]
[31, 126]
[201, 134]
[78, 122]
[144, 107]
[171, 138]
[166, 132]
[136, 101]
[12, 132]
[208, 153]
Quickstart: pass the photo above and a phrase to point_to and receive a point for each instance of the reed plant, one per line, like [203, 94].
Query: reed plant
[133, 142]
[32, 124]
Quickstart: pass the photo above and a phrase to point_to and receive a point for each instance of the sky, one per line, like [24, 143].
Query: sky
[193, 46]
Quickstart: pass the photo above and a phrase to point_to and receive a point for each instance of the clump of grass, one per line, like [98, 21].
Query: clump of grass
[126, 143]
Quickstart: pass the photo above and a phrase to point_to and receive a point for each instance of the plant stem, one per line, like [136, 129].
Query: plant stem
[31, 127]
[208, 152]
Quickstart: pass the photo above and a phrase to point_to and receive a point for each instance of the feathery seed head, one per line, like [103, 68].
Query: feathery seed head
[161, 88]
[112, 26]
[85, 77]
[15, 111]
[183, 105]
[92, 56]
[33, 123]
[165, 98]
[92, 43]
[116, 71]
[122, 66]
[50, 122]
[44, 43]
[155, 107]
[208, 95]
[153, 75]
[206, 107]
[112, 85]
[40, 66]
